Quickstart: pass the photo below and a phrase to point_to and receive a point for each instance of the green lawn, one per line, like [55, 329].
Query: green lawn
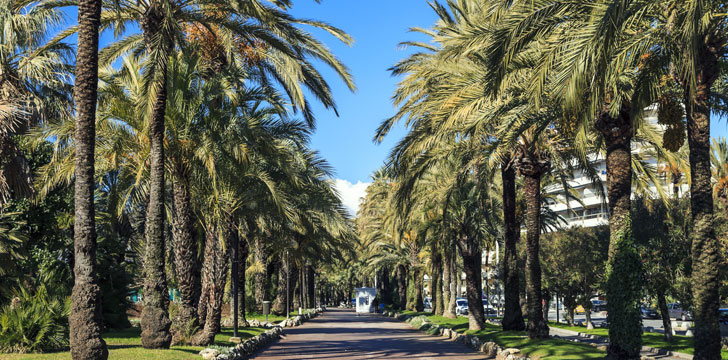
[127, 344]
[683, 344]
[542, 349]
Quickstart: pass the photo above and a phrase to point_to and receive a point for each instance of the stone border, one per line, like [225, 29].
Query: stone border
[489, 348]
[250, 346]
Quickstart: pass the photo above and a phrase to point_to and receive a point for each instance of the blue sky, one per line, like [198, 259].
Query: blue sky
[377, 26]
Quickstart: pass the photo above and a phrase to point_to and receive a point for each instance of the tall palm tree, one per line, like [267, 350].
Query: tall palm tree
[85, 318]
[699, 44]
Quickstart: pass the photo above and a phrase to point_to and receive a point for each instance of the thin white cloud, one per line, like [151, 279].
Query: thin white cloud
[351, 194]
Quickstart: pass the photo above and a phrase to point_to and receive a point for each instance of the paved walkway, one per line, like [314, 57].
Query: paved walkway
[341, 334]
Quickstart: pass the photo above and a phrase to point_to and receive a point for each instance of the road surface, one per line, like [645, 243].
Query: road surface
[341, 334]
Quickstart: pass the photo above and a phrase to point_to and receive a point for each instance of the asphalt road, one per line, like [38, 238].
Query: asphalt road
[341, 334]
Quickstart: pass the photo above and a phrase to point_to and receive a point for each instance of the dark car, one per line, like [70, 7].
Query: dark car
[648, 313]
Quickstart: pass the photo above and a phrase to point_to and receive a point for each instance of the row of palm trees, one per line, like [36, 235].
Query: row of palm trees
[200, 99]
[541, 87]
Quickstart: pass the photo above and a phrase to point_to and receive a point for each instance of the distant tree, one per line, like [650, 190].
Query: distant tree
[574, 265]
[662, 245]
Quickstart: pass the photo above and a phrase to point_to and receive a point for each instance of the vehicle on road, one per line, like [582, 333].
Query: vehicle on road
[489, 310]
[677, 312]
[461, 306]
[648, 313]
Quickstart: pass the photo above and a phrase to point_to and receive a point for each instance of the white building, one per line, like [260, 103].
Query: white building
[593, 209]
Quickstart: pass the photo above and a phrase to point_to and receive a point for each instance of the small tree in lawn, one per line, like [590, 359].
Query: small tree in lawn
[573, 261]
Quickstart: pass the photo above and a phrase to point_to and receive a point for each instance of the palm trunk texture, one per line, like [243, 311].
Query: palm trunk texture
[624, 266]
[85, 321]
[472, 263]
[533, 169]
[512, 316]
[705, 245]
[185, 252]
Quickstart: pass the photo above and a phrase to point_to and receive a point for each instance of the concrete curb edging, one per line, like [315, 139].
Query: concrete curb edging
[250, 346]
[490, 349]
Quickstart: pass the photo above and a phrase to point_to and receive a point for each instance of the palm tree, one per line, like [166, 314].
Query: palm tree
[697, 40]
[33, 86]
[163, 24]
[85, 318]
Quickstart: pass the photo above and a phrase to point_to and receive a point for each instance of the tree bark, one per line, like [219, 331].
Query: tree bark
[665, 315]
[448, 310]
[512, 316]
[533, 169]
[279, 304]
[311, 286]
[243, 251]
[472, 264]
[624, 265]
[155, 321]
[419, 304]
[436, 280]
[705, 245]
[402, 286]
[85, 320]
[185, 252]
[214, 275]
[260, 276]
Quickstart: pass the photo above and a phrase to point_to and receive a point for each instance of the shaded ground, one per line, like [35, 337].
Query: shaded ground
[341, 334]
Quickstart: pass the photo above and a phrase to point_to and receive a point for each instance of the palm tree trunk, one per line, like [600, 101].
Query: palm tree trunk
[436, 279]
[624, 267]
[448, 311]
[472, 263]
[512, 316]
[705, 245]
[85, 320]
[279, 304]
[260, 276]
[214, 275]
[402, 286]
[419, 304]
[155, 321]
[536, 328]
[243, 251]
[454, 276]
[185, 252]
[665, 315]
[311, 287]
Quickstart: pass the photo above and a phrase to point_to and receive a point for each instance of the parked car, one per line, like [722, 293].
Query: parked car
[597, 305]
[649, 313]
[677, 312]
[489, 310]
[723, 320]
[461, 306]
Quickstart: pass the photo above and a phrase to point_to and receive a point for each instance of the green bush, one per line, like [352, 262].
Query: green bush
[34, 322]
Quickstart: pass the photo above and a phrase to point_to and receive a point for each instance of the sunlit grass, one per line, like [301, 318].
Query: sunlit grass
[683, 344]
[543, 349]
[127, 344]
